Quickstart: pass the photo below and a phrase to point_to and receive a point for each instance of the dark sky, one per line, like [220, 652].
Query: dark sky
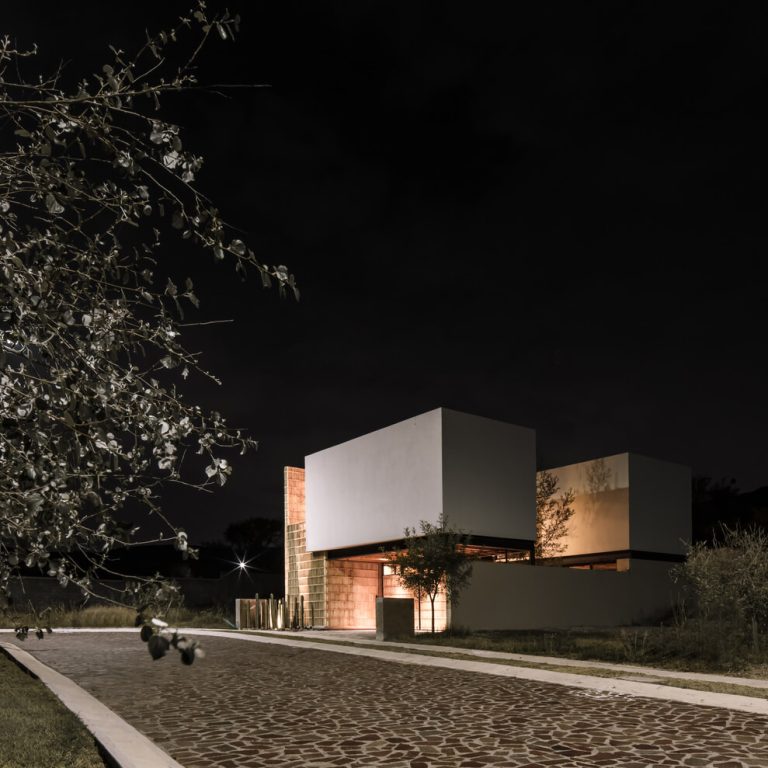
[552, 214]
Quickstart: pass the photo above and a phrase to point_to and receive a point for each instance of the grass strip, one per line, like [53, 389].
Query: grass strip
[37, 729]
[572, 669]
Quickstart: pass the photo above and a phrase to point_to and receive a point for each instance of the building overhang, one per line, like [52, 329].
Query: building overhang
[478, 546]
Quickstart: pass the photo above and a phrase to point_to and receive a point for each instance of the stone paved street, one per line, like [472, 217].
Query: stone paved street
[253, 704]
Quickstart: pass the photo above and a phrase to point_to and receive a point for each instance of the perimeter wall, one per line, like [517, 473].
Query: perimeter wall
[515, 596]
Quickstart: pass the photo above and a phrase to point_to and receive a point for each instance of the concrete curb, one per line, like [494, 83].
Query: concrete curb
[124, 746]
[559, 661]
[602, 685]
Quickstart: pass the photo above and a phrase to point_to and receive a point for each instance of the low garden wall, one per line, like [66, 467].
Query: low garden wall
[514, 596]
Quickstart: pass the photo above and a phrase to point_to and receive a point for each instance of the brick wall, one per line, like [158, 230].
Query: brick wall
[305, 572]
[294, 495]
[352, 588]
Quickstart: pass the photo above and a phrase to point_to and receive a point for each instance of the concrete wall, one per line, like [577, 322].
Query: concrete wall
[601, 508]
[368, 490]
[489, 471]
[627, 502]
[659, 505]
[507, 596]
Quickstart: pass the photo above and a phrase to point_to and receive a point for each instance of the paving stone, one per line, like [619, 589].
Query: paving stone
[254, 705]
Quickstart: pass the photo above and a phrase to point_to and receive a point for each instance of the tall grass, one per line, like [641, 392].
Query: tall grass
[104, 616]
[694, 645]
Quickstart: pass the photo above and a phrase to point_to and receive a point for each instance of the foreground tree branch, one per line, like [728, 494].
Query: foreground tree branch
[92, 362]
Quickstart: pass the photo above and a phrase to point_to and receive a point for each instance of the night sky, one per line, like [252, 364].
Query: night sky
[552, 214]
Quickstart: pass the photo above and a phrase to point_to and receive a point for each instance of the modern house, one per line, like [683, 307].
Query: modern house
[350, 504]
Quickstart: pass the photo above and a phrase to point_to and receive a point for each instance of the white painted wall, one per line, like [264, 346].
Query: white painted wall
[507, 596]
[369, 489]
[600, 522]
[644, 504]
[659, 505]
[479, 471]
[489, 471]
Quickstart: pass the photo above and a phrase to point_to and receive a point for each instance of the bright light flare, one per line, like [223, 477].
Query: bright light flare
[242, 564]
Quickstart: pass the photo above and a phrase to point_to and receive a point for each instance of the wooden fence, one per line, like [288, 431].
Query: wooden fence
[273, 613]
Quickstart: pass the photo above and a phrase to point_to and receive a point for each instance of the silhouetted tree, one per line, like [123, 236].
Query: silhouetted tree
[715, 503]
[255, 533]
[553, 512]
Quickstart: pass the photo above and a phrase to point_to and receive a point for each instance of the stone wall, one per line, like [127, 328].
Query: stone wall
[305, 572]
[352, 587]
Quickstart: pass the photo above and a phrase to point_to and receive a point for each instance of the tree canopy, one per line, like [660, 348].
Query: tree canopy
[728, 580]
[255, 533]
[96, 190]
[433, 560]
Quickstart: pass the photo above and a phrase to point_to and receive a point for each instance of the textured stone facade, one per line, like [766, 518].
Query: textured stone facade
[352, 589]
[305, 572]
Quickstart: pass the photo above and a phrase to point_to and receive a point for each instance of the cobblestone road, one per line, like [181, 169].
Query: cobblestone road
[253, 704]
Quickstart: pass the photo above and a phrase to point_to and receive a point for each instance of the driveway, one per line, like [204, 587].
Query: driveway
[258, 704]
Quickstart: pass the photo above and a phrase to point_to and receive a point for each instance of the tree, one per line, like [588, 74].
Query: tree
[92, 364]
[716, 502]
[433, 560]
[257, 542]
[255, 533]
[552, 514]
[729, 579]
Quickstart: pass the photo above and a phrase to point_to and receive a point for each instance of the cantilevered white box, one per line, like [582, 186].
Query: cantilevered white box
[478, 472]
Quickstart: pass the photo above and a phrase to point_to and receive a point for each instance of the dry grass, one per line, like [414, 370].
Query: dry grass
[695, 647]
[36, 729]
[105, 616]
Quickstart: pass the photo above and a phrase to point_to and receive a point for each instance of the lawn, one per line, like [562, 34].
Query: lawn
[37, 730]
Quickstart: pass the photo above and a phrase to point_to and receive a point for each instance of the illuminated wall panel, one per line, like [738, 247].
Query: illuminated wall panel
[351, 590]
[601, 519]
[627, 502]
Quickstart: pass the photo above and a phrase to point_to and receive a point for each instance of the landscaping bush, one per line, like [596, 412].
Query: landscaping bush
[726, 583]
